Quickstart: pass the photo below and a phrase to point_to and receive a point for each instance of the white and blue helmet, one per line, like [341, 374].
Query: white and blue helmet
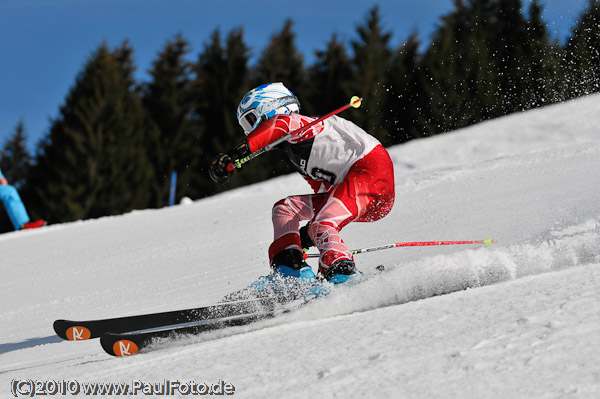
[263, 102]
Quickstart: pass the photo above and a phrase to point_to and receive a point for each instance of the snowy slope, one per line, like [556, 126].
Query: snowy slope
[520, 319]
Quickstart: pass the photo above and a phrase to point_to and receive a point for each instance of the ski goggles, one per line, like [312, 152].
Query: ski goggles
[249, 120]
[255, 116]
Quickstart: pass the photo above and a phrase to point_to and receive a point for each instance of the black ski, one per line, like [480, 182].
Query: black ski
[81, 330]
[130, 343]
[127, 335]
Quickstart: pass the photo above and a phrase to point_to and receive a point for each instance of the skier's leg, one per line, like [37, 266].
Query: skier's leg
[287, 215]
[14, 206]
[332, 213]
[376, 181]
[365, 195]
[285, 253]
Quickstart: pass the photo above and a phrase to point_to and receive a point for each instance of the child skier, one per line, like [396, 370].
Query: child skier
[349, 171]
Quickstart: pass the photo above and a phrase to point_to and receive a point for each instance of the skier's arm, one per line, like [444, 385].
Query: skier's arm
[267, 132]
[279, 126]
[3, 180]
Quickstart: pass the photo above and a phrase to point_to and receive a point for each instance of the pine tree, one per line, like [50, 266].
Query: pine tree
[508, 40]
[94, 161]
[280, 61]
[330, 77]
[222, 76]
[407, 106]
[168, 98]
[460, 73]
[542, 84]
[487, 60]
[581, 55]
[15, 160]
[371, 60]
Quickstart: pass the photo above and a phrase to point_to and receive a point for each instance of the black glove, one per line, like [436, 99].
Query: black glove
[218, 168]
[305, 239]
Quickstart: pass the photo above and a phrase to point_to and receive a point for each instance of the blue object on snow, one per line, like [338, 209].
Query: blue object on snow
[172, 190]
[14, 206]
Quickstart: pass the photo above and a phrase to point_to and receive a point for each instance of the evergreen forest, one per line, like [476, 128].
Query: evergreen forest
[115, 141]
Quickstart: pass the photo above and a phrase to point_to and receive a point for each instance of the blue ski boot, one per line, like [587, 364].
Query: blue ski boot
[290, 263]
[290, 275]
[341, 271]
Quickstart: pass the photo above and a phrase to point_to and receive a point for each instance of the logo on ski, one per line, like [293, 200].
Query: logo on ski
[125, 347]
[78, 333]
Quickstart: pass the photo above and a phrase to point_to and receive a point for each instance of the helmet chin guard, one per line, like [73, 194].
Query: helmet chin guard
[263, 102]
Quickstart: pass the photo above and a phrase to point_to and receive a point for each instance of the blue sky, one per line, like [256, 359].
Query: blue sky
[45, 43]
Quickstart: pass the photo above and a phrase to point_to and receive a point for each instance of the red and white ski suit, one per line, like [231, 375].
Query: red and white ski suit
[350, 172]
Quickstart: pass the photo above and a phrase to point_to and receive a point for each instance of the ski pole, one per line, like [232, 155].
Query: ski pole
[355, 102]
[487, 241]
